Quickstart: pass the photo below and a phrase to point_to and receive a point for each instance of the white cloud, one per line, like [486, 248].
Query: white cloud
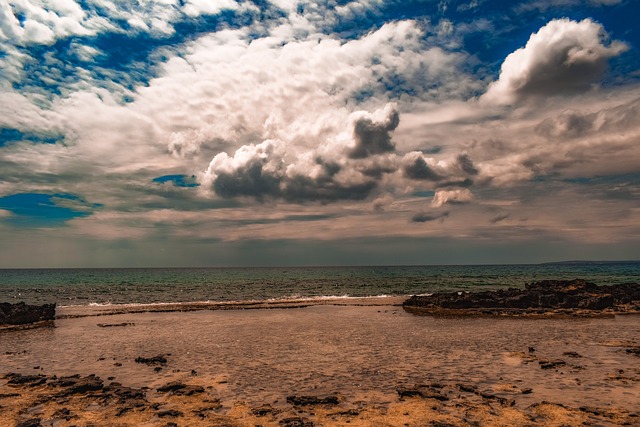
[229, 90]
[342, 168]
[563, 57]
[207, 7]
[459, 196]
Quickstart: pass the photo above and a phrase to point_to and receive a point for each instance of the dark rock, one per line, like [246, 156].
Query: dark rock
[156, 360]
[312, 400]
[30, 380]
[181, 389]
[172, 386]
[123, 411]
[296, 422]
[411, 392]
[121, 394]
[571, 354]
[33, 422]
[65, 414]
[348, 413]
[597, 411]
[264, 410]
[633, 350]
[422, 391]
[77, 385]
[527, 391]
[549, 364]
[467, 388]
[539, 297]
[111, 325]
[22, 314]
[501, 400]
[169, 413]
[8, 395]
[64, 381]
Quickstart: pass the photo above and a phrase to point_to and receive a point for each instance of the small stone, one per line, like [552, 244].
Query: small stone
[33, 422]
[169, 413]
[156, 360]
[312, 400]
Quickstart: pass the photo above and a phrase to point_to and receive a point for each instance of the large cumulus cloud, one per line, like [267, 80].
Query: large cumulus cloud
[457, 171]
[294, 85]
[563, 57]
[348, 166]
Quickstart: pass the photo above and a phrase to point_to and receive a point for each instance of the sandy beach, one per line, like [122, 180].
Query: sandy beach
[341, 362]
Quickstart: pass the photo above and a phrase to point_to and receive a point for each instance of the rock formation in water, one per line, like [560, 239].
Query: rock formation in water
[540, 297]
[22, 314]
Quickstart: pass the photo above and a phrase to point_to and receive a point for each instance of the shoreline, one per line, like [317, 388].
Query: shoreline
[75, 311]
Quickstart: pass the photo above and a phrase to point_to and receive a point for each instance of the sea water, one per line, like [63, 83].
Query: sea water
[84, 287]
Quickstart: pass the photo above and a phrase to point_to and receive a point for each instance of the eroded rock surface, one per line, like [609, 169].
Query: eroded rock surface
[576, 297]
[23, 314]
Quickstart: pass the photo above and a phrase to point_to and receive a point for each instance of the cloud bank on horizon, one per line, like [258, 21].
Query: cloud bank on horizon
[189, 132]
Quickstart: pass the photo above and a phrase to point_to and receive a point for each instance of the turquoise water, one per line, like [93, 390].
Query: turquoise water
[162, 285]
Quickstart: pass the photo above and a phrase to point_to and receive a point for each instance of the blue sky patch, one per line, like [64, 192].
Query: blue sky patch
[178, 180]
[44, 210]
[127, 57]
[10, 135]
[427, 194]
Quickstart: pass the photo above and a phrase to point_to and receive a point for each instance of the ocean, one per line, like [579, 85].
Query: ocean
[85, 287]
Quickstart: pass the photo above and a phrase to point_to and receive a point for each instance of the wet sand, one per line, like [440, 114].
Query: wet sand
[365, 362]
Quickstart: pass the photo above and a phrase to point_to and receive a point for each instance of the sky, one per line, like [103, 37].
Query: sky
[292, 132]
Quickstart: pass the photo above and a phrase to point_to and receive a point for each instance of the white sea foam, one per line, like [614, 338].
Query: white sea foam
[294, 300]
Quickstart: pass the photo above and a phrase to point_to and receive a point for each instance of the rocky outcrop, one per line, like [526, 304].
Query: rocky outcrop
[23, 314]
[312, 400]
[566, 296]
[152, 361]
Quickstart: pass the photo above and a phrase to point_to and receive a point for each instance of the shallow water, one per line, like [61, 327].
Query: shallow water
[359, 352]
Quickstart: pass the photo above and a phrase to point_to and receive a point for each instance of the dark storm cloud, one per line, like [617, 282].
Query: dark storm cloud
[259, 180]
[350, 170]
[466, 164]
[424, 217]
[454, 173]
[496, 219]
[374, 136]
[249, 180]
[415, 167]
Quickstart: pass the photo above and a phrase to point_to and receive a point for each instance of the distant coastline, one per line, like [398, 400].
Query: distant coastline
[588, 262]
